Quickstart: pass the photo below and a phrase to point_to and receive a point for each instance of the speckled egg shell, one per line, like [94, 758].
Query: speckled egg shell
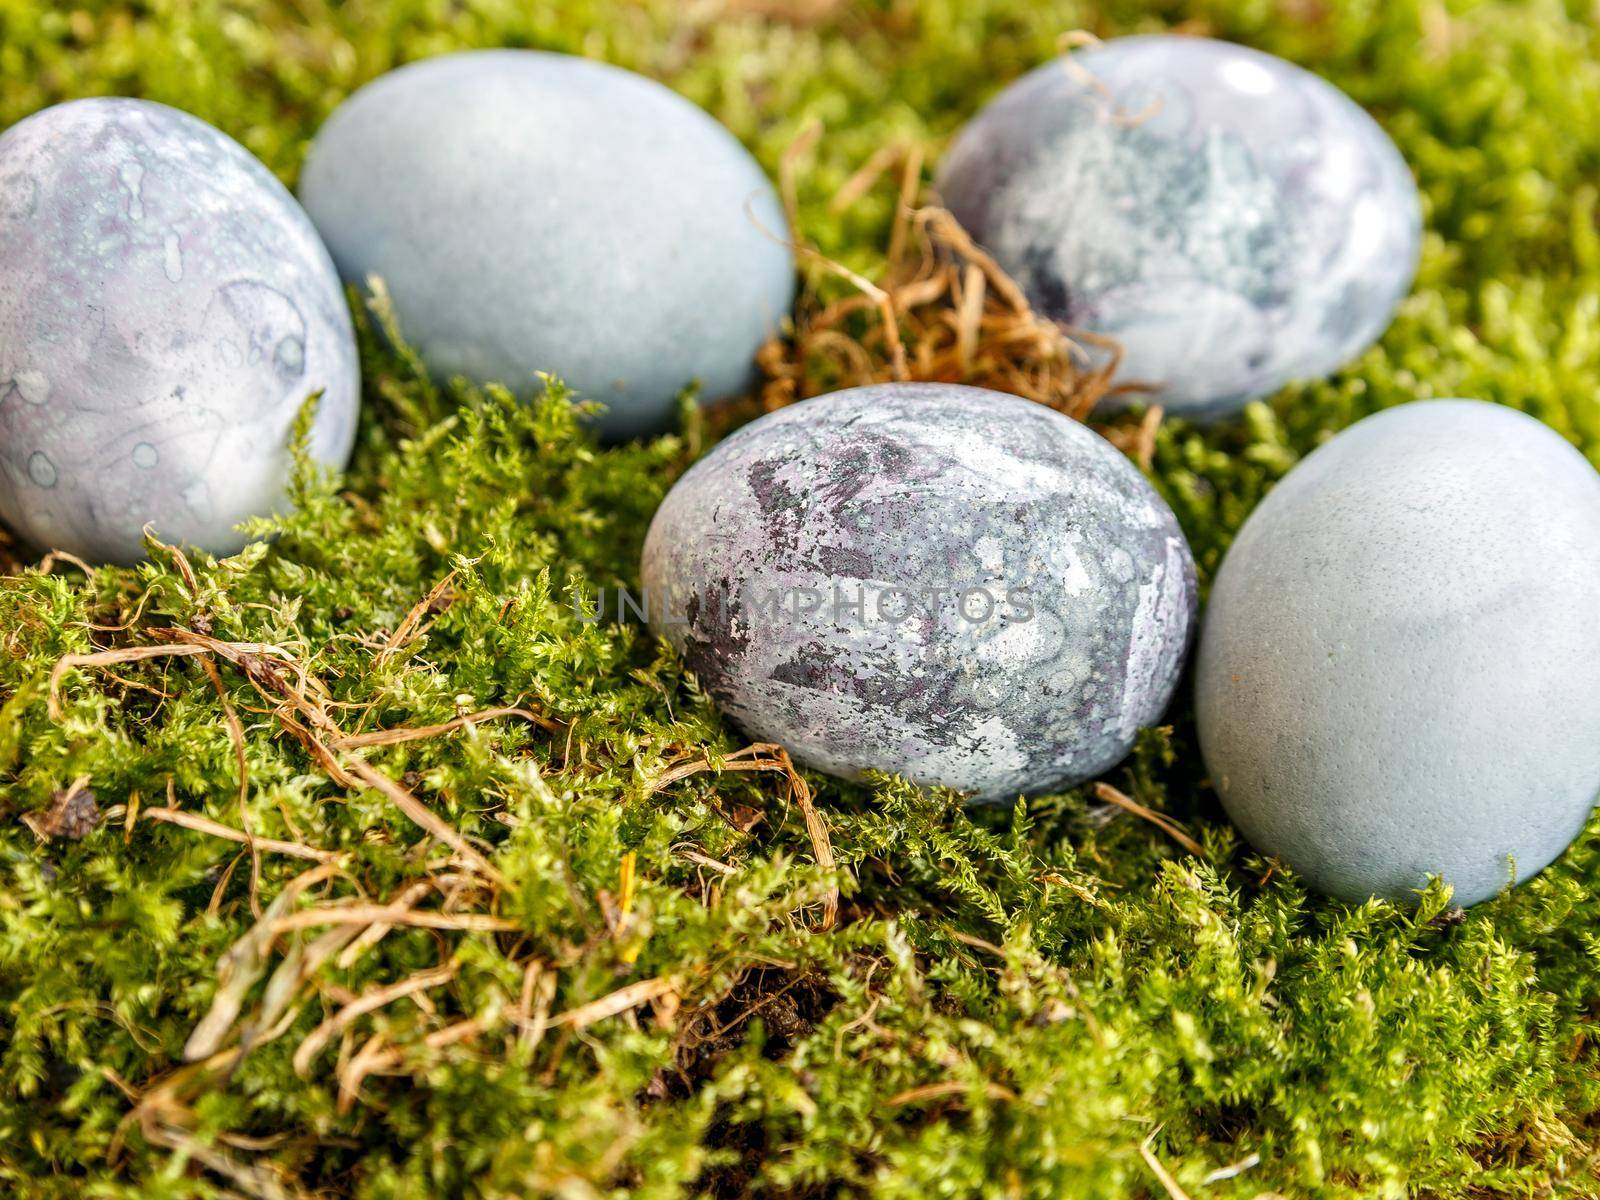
[165, 310]
[1026, 596]
[535, 212]
[1233, 220]
[1400, 667]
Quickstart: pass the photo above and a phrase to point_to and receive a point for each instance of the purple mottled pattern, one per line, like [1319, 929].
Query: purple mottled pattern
[1234, 221]
[1005, 601]
[165, 310]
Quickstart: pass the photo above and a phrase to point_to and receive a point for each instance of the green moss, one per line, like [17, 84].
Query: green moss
[1033, 1002]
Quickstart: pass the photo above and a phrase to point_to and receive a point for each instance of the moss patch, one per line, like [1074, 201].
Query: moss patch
[625, 975]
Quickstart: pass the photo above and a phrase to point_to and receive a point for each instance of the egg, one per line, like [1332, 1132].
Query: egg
[957, 586]
[1399, 672]
[165, 310]
[534, 212]
[1232, 220]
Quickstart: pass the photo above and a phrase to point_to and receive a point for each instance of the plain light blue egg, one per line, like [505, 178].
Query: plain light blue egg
[1399, 667]
[534, 212]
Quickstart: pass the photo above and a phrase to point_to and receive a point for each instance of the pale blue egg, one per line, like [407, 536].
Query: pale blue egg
[1399, 672]
[534, 212]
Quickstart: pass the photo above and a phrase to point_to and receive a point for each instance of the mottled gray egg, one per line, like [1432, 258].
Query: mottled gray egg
[535, 212]
[948, 583]
[1399, 672]
[1234, 221]
[165, 310]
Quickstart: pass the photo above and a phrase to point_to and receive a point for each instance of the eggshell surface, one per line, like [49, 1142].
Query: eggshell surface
[166, 309]
[533, 212]
[1231, 219]
[1399, 672]
[947, 583]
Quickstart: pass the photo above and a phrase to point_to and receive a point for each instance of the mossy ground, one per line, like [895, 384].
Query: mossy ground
[640, 990]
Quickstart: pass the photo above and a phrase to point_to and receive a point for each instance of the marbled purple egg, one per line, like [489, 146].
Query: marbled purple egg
[165, 310]
[1233, 220]
[951, 584]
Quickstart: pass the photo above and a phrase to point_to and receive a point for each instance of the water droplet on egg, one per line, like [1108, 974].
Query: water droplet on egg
[290, 357]
[32, 386]
[41, 470]
[132, 176]
[172, 260]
